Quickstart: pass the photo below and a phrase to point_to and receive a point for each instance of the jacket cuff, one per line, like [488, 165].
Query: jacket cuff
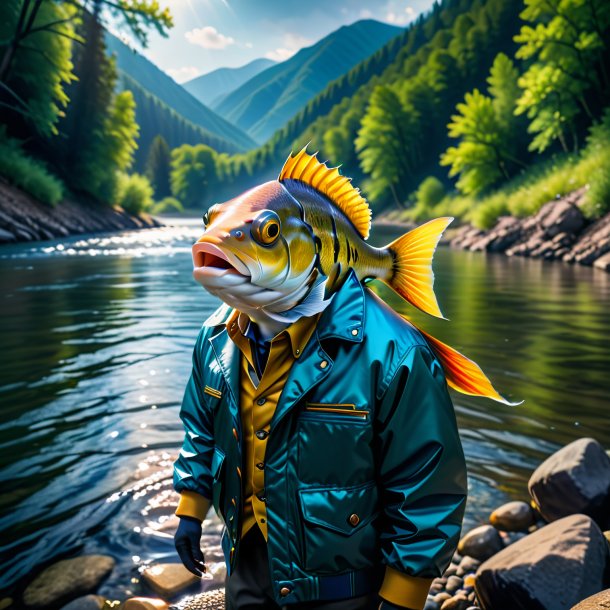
[404, 590]
[192, 504]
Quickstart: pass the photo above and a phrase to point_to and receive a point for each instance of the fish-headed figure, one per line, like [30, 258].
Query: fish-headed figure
[257, 254]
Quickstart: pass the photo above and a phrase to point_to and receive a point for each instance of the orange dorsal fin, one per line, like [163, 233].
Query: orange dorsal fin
[336, 188]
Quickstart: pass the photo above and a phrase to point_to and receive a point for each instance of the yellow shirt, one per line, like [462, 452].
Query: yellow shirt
[257, 405]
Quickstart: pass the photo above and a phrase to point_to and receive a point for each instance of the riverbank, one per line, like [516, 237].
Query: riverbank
[558, 231]
[23, 218]
[548, 550]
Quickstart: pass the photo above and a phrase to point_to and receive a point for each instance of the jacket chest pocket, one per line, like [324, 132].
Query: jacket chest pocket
[337, 531]
[334, 443]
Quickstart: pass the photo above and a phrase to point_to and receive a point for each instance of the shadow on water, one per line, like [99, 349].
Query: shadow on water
[97, 335]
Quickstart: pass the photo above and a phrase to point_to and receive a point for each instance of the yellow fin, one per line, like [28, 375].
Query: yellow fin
[463, 374]
[413, 278]
[328, 181]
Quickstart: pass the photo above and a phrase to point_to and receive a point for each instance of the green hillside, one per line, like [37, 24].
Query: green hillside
[211, 88]
[266, 102]
[154, 118]
[159, 84]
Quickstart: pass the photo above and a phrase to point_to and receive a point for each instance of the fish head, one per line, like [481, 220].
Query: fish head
[256, 248]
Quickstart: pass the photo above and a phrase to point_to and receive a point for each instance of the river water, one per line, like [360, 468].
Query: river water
[97, 335]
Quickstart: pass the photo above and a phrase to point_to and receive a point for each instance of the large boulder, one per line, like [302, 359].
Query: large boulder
[599, 601]
[551, 569]
[575, 479]
[66, 580]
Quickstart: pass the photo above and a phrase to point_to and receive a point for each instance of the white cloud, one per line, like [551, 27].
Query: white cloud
[209, 37]
[186, 73]
[398, 15]
[292, 44]
[249, 45]
[366, 14]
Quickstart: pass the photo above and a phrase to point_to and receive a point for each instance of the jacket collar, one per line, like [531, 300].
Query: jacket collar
[344, 317]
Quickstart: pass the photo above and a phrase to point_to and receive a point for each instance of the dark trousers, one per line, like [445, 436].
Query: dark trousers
[249, 586]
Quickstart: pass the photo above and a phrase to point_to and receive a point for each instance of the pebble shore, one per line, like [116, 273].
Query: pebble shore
[550, 551]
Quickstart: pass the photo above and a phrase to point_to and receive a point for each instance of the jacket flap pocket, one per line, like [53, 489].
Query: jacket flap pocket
[218, 458]
[343, 510]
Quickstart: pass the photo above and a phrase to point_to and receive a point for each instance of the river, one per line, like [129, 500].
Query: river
[97, 335]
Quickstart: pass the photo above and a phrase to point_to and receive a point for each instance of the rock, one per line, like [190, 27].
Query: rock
[6, 602]
[481, 542]
[453, 584]
[514, 516]
[168, 579]
[450, 571]
[599, 601]
[87, 602]
[439, 598]
[551, 569]
[210, 600]
[469, 580]
[66, 580]
[575, 479]
[432, 605]
[592, 243]
[144, 603]
[469, 564]
[603, 262]
[560, 217]
[457, 602]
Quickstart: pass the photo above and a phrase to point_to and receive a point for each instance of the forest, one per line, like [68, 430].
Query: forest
[477, 109]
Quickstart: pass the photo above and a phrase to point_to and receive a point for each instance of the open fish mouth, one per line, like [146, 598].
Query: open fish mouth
[209, 259]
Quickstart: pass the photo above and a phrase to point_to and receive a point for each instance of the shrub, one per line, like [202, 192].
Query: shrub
[485, 215]
[28, 174]
[134, 193]
[167, 204]
[430, 192]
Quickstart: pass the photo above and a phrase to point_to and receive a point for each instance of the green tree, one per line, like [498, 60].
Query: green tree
[430, 192]
[384, 141]
[193, 174]
[567, 49]
[34, 88]
[488, 130]
[158, 167]
[32, 17]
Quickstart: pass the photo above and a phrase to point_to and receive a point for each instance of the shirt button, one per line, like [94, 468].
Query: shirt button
[284, 591]
[323, 364]
[354, 331]
[261, 401]
[260, 465]
[354, 519]
[261, 435]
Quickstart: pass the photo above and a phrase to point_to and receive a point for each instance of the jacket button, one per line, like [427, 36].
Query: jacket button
[260, 465]
[354, 519]
[354, 331]
[284, 591]
[261, 435]
[261, 401]
[323, 364]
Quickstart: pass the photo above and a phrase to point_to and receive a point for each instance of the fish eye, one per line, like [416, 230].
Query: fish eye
[266, 227]
[206, 219]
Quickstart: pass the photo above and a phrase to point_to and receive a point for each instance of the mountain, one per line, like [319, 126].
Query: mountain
[210, 88]
[160, 85]
[270, 99]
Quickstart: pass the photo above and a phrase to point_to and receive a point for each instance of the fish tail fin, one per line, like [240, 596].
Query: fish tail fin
[463, 374]
[412, 276]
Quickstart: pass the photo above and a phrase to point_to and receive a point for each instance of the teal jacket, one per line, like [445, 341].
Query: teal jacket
[345, 494]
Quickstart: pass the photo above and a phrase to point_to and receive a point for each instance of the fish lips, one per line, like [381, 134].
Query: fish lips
[211, 263]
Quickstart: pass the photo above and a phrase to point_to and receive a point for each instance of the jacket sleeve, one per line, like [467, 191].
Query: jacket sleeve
[192, 469]
[422, 476]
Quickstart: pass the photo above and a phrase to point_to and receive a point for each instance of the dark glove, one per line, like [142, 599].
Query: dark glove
[385, 605]
[187, 541]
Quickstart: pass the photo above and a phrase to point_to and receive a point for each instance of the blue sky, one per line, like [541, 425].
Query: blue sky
[211, 34]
